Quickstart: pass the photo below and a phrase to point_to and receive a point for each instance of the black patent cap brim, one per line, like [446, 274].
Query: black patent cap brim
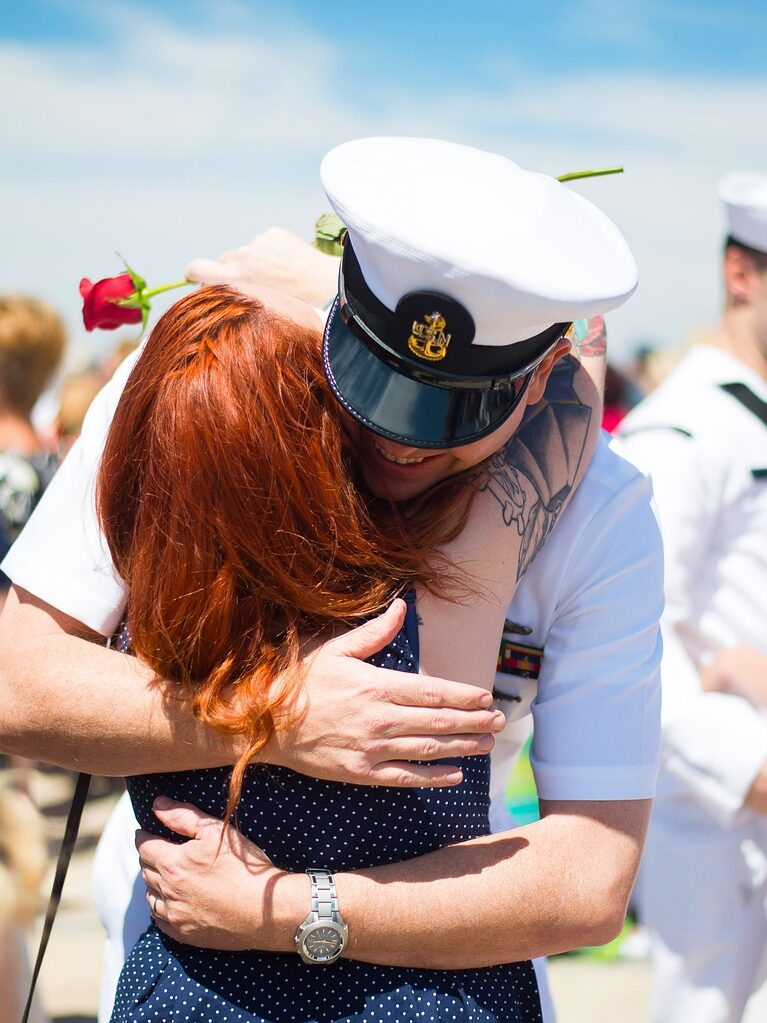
[403, 409]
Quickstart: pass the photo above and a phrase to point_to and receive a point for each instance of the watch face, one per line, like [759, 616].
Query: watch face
[322, 942]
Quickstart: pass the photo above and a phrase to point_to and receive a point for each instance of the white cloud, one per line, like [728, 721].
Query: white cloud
[174, 142]
[170, 93]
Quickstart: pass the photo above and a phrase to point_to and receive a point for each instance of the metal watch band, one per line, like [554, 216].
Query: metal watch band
[322, 937]
[324, 897]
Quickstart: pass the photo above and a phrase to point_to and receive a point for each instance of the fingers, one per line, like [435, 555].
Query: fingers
[407, 690]
[402, 774]
[158, 910]
[441, 692]
[373, 636]
[156, 904]
[157, 854]
[150, 873]
[152, 851]
[183, 818]
[212, 271]
[439, 747]
[153, 882]
[413, 721]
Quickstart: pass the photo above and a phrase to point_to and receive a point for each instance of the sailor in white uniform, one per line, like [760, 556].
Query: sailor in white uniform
[591, 598]
[702, 436]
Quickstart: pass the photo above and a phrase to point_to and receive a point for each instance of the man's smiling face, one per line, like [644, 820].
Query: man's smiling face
[399, 472]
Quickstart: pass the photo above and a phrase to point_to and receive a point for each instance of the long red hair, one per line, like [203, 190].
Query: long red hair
[234, 517]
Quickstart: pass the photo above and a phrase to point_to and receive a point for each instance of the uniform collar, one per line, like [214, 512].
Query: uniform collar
[708, 364]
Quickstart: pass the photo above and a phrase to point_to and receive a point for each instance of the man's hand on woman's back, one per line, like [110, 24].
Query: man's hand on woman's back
[366, 725]
[69, 701]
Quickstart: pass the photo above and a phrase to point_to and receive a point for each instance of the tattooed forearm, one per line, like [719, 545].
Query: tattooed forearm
[589, 338]
[533, 474]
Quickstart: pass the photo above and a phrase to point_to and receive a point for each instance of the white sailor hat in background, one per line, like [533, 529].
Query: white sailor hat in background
[460, 272]
[744, 194]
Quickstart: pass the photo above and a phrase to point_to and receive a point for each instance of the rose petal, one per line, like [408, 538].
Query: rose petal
[99, 306]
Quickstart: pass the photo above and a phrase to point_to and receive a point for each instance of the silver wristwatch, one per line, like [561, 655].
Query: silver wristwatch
[323, 935]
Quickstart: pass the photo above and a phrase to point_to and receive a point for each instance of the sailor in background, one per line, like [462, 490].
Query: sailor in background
[702, 436]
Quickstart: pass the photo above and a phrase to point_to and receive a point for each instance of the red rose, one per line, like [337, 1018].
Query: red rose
[100, 308]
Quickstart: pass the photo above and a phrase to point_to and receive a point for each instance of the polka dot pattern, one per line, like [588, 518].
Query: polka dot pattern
[302, 822]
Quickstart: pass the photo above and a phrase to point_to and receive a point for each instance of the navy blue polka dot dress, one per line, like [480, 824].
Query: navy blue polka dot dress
[304, 822]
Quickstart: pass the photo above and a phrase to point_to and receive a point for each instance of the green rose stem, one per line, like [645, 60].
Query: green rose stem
[590, 173]
[165, 287]
[141, 296]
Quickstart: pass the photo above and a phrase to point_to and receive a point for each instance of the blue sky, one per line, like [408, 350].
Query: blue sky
[433, 40]
[168, 130]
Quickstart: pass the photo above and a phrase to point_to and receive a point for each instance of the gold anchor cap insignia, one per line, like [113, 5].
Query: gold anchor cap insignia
[428, 339]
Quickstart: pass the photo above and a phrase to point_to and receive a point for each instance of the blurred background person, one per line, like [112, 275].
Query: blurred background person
[32, 342]
[76, 393]
[650, 366]
[23, 861]
[120, 351]
[702, 435]
[618, 398]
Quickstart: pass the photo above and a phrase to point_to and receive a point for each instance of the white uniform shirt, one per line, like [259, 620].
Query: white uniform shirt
[592, 598]
[707, 456]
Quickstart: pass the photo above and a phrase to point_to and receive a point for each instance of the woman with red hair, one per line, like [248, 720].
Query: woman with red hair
[232, 508]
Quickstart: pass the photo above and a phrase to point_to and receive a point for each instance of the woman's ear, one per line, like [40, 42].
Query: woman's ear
[542, 372]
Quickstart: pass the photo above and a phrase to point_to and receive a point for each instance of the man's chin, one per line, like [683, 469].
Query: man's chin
[399, 478]
[392, 489]
[388, 491]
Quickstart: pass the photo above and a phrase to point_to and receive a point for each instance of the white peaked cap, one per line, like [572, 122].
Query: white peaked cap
[744, 194]
[519, 250]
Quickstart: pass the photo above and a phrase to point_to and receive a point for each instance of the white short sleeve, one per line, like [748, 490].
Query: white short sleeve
[60, 555]
[597, 711]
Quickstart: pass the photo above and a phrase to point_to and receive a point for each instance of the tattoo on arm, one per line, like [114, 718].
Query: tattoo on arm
[589, 338]
[533, 474]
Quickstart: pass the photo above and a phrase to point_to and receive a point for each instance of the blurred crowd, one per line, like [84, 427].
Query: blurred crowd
[41, 413]
[41, 408]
